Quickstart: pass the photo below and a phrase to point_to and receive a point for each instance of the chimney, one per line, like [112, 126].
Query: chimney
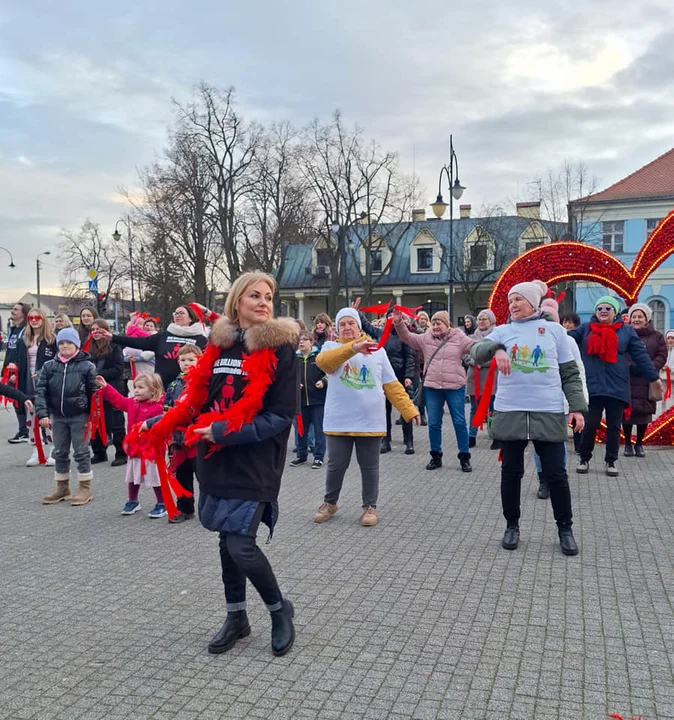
[530, 210]
[418, 215]
[465, 211]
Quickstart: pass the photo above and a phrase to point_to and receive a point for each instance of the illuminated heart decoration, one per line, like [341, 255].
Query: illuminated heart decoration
[568, 261]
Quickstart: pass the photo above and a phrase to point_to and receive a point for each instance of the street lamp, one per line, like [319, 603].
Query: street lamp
[439, 206]
[117, 237]
[341, 243]
[37, 268]
[11, 259]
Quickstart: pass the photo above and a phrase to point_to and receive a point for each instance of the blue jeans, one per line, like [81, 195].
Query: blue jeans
[537, 459]
[312, 418]
[472, 431]
[456, 402]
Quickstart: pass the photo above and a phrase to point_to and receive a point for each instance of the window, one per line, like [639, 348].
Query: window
[659, 313]
[612, 234]
[323, 257]
[478, 255]
[534, 244]
[425, 259]
[651, 224]
[376, 261]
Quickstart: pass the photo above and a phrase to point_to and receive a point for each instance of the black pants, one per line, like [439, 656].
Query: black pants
[242, 559]
[614, 414]
[641, 431]
[408, 433]
[185, 476]
[554, 473]
[21, 419]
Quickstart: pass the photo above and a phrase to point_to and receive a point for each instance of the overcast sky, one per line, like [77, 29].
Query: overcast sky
[86, 88]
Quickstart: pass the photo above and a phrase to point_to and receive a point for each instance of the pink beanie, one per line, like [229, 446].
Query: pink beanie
[533, 291]
[551, 306]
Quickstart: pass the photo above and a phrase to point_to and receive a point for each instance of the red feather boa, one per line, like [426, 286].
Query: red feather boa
[603, 341]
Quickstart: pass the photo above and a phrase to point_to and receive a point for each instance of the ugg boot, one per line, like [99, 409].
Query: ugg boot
[62, 491]
[436, 461]
[83, 494]
[464, 459]
[543, 490]
[236, 627]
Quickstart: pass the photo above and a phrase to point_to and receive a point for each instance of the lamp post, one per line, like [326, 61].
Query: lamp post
[117, 237]
[339, 231]
[37, 268]
[11, 259]
[439, 206]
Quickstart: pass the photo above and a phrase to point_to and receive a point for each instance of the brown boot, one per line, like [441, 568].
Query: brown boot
[83, 494]
[368, 517]
[62, 491]
[325, 512]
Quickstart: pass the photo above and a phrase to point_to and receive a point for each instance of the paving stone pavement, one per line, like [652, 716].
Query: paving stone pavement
[424, 616]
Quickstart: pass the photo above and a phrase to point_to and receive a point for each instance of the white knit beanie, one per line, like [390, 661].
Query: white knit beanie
[348, 312]
[645, 309]
[533, 291]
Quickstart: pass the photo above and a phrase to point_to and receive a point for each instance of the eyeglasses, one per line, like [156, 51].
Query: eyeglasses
[603, 308]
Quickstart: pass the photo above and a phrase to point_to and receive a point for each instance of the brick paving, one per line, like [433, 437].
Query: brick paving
[423, 617]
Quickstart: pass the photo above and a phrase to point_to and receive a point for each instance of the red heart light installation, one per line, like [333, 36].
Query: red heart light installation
[567, 261]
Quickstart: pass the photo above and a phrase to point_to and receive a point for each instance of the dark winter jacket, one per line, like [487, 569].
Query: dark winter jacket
[473, 327]
[13, 393]
[656, 347]
[15, 332]
[111, 368]
[310, 374]
[45, 351]
[250, 462]
[166, 346]
[66, 389]
[173, 392]
[612, 379]
[401, 356]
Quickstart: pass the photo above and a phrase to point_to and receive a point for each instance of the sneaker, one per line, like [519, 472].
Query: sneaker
[33, 460]
[180, 517]
[131, 507]
[368, 517]
[583, 467]
[19, 438]
[611, 469]
[297, 462]
[324, 512]
[119, 461]
[50, 460]
[318, 464]
[158, 511]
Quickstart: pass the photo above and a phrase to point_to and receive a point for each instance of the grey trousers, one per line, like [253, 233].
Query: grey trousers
[340, 448]
[67, 431]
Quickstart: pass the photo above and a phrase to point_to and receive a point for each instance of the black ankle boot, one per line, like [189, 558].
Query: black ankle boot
[409, 448]
[511, 537]
[629, 449]
[472, 441]
[566, 541]
[99, 458]
[464, 459]
[385, 446]
[282, 629]
[639, 451]
[543, 490]
[236, 626]
[422, 413]
[436, 461]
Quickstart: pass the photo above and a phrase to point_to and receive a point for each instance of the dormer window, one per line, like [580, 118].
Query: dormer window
[425, 253]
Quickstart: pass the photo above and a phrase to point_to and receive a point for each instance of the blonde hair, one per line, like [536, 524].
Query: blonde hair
[241, 284]
[64, 318]
[44, 333]
[189, 349]
[152, 381]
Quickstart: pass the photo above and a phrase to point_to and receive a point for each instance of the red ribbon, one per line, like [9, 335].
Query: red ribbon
[300, 424]
[87, 344]
[668, 388]
[483, 408]
[10, 377]
[134, 372]
[96, 422]
[388, 326]
[37, 434]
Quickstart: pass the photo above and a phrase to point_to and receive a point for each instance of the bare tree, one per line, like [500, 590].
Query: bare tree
[84, 250]
[354, 182]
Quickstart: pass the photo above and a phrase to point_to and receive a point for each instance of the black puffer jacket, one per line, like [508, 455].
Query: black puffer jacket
[401, 356]
[65, 389]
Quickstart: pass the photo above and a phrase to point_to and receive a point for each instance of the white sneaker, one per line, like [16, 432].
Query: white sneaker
[33, 460]
[50, 460]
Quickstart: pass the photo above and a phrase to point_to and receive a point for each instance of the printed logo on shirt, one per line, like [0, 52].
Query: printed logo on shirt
[359, 378]
[541, 331]
[230, 366]
[173, 354]
[526, 360]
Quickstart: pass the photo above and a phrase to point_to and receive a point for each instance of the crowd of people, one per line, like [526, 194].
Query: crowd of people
[222, 394]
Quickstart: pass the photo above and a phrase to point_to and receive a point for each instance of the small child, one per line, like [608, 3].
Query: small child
[63, 398]
[313, 387]
[145, 404]
[183, 459]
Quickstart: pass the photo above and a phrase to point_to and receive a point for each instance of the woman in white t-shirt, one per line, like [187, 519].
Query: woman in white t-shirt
[536, 370]
[360, 380]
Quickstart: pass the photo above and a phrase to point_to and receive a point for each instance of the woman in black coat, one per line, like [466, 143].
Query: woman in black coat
[109, 362]
[641, 408]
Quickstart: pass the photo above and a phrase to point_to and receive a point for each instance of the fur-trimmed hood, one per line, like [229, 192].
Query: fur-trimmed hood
[270, 334]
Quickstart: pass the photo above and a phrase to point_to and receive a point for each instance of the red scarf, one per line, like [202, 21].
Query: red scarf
[603, 341]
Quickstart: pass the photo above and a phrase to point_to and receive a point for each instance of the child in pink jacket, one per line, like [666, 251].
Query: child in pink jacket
[145, 404]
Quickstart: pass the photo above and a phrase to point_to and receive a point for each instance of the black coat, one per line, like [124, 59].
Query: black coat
[111, 368]
[15, 332]
[310, 374]
[656, 347]
[45, 351]
[66, 389]
[401, 356]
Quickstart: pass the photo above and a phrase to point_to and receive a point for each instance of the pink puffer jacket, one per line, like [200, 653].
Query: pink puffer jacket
[446, 371]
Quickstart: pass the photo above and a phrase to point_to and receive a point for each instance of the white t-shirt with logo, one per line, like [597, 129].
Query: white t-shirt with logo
[355, 401]
[536, 349]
